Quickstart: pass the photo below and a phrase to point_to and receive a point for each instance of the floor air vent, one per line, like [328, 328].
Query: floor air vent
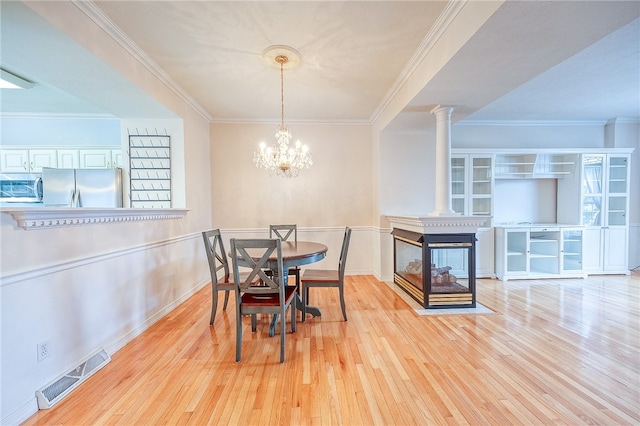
[60, 387]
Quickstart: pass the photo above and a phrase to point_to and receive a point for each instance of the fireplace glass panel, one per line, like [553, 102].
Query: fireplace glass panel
[449, 270]
[409, 263]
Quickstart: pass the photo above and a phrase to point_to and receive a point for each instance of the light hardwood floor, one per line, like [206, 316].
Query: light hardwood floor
[554, 352]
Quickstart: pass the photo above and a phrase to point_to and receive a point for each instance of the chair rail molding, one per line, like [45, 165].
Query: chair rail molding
[47, 218]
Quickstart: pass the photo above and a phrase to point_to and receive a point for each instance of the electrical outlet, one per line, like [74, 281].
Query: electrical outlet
[44, 350]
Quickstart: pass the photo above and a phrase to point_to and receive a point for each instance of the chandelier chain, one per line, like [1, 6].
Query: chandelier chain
[282, 93]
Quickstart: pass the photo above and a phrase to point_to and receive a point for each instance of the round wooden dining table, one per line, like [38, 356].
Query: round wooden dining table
[296, 254]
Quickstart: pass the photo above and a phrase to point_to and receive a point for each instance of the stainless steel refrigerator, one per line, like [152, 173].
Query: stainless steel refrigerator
[82, 187]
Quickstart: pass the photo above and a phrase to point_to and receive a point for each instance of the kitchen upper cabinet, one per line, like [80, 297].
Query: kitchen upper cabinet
[27, 160]
[601, 204]
[100, 158]
[32, 160]
[116, 158]
[39, 158]
[95, 158]
[68, 159]
[15, 160]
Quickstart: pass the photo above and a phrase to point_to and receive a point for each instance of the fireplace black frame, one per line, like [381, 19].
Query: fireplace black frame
[428, 296]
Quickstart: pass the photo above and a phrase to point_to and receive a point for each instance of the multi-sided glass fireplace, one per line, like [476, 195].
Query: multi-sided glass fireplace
[437, 270]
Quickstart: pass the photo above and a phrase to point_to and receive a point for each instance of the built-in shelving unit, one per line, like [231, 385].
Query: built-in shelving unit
[585, 188]
[597, 197]
[535, 165]
[539, 252]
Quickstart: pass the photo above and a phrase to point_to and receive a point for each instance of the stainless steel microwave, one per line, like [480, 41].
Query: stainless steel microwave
[21, 188]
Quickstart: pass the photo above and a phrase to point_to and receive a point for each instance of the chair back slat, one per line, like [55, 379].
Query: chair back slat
[254, 254]
[283, 232]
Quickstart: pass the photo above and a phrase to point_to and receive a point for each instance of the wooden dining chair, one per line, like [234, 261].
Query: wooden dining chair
[221, 278]
[327, 278]
[285, 233]
[271, 296]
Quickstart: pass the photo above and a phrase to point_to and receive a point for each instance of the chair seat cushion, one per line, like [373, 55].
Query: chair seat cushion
[320, 275]
[268, 299]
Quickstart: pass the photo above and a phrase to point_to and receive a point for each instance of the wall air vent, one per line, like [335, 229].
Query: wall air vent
[53, 392]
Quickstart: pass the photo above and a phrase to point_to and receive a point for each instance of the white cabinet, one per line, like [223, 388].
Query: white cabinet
[68, 159]
[116, 158]
[100, 158]
[14, 160]
[32, 160]
[472, 185]
[571, 250]
[27, 160]
[538, 252]
[472, 195]
[39, 158]
[602, 207]
[95, 158]
[535, 165]
[485, 259]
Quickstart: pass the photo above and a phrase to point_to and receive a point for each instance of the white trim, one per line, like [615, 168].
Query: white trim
[545, 151]
[22, 413]
[443, 21]
[105, 23]
[45, 218]
[465, 122]
[438, 224]
[350, 122]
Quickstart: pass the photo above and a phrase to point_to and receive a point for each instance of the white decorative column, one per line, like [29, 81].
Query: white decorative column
[443, 160]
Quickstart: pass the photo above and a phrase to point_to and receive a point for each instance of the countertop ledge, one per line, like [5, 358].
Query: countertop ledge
[57, 217]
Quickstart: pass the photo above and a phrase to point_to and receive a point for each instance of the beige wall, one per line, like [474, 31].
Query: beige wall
[98, 286]
[336, 191]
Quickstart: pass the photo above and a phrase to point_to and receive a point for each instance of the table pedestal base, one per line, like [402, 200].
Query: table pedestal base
[310, 310]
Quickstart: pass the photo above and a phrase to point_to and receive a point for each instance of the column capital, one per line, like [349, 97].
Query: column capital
[442, 110]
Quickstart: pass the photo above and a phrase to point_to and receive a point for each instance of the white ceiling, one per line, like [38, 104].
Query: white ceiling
[531, 61]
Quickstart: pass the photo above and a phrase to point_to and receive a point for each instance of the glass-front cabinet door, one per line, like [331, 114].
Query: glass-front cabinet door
[517, 253]
[481, 186]
[593, 190]
[459, 184]
[605, 186]
[571, 250]
[617, 190]
[472, 185]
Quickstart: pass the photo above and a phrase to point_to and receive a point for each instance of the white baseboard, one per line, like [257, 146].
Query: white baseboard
[21, 414]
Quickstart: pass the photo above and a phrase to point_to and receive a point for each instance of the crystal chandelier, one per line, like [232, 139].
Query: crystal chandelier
[282, 158]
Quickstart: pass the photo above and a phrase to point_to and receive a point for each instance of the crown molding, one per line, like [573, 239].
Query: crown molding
[530, 123]
[624, 120]
[442, 23]
[277, 122]
[42, 115]
[105, 23]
